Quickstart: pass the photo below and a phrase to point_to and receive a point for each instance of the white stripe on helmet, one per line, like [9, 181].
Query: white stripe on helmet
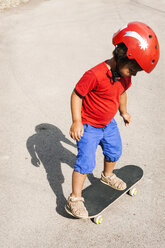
[143, 43]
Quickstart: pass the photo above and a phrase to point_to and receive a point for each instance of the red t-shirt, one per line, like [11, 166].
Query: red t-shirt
[100, 95]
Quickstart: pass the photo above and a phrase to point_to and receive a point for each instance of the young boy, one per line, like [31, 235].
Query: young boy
[95, 101]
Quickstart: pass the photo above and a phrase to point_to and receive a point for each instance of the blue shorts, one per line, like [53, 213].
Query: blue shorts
[107, 137]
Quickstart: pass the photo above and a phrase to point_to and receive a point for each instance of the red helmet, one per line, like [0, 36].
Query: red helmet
[141, 42]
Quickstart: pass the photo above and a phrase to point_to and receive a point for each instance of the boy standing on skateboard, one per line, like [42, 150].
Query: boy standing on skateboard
[97, 97]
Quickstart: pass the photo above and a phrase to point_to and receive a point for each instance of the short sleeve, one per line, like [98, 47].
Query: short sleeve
[87, 83]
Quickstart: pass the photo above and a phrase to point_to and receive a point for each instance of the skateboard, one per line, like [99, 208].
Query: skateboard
[99, 196]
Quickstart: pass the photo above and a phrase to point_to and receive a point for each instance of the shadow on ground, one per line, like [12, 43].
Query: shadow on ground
[45, 147]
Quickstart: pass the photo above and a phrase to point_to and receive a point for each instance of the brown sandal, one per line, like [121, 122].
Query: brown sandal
[75, 207]
[113, 181]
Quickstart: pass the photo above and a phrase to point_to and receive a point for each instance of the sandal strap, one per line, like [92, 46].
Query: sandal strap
[113, 177]
[110, 177]
[75, 199]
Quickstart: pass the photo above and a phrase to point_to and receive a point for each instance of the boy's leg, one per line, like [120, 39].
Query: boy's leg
[110, 178]
[85, 163]
[75, 203]
[108, 168]
[112, 148]
[78, 180]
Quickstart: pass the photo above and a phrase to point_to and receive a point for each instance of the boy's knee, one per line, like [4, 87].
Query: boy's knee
[85, 164]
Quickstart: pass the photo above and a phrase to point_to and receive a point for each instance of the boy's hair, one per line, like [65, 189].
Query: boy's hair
[120, 56]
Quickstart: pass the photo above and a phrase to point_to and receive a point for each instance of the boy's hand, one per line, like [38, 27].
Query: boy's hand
[126, 118]
[76, 130]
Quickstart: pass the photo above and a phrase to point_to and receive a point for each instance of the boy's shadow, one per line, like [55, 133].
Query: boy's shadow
[45, 147]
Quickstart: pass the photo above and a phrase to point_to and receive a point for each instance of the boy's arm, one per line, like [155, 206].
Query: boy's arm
[123, 108]
[77, 129]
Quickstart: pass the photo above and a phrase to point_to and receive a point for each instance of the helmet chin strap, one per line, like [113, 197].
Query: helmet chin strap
[115, 74]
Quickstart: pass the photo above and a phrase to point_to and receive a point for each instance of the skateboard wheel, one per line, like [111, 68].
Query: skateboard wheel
[98, 219]
[132, 192]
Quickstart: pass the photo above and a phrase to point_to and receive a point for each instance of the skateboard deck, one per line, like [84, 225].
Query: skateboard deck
[99, 196]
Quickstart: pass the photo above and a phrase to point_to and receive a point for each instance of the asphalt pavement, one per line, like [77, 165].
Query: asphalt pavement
[45, 47]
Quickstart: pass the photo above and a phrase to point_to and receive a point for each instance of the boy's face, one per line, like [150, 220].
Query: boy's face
[127, 71]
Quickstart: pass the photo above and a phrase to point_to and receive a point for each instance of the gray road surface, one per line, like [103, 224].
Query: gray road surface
[45, 47]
